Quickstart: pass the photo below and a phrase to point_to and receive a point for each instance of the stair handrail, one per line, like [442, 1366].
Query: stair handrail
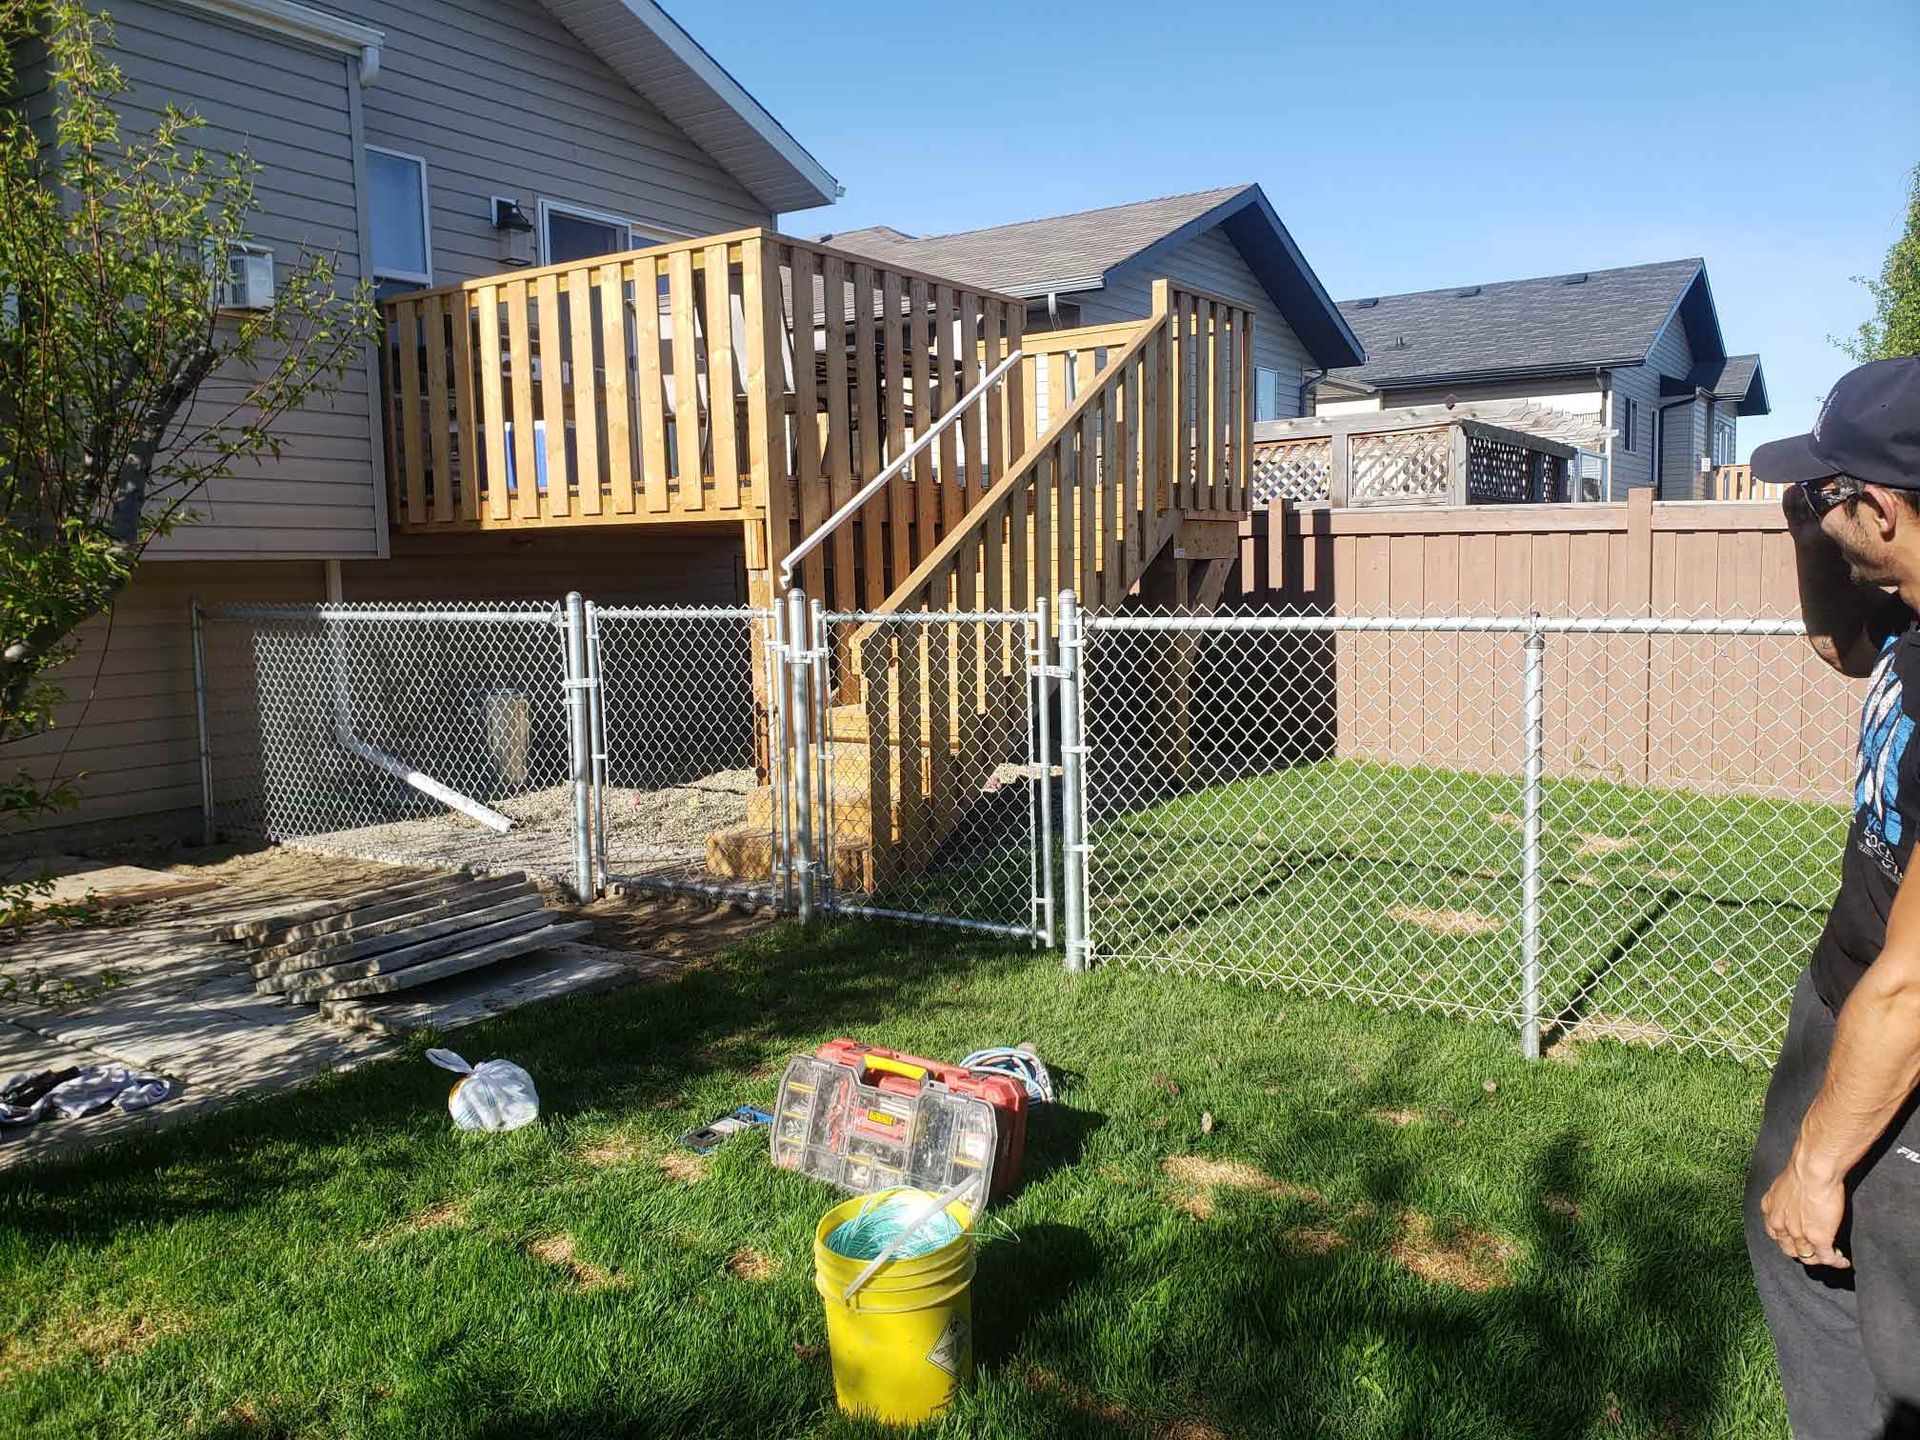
[867, 491]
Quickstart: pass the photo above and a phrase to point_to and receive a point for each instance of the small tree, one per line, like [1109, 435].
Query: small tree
[1895, 326]
[124, 389]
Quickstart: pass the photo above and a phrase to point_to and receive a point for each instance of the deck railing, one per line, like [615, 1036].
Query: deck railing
[1160, 430]
[560, 396]
[1736, 482]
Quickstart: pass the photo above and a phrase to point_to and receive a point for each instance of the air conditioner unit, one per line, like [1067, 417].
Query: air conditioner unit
[248, 283]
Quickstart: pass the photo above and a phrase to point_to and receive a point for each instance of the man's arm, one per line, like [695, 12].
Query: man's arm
[1874, 1067]
[1847, 622]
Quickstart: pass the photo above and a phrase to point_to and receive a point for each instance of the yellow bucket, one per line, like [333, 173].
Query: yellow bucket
[904, 1343]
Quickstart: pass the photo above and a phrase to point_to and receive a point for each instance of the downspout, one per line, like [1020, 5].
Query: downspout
[1660, 408]
[1309, 380]
[1603, 382]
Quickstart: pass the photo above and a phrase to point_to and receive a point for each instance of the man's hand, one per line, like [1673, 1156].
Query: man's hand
[1803, 1210]
[1802, 523]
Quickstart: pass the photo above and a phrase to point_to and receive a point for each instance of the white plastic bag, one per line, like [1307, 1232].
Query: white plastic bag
[493, 1095]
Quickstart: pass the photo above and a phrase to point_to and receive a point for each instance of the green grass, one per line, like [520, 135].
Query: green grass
[262, 1272]
[1689, 913]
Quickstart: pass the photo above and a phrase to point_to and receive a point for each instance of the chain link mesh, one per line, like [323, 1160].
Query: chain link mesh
[1341, 810]
[927, 782]
[316, 716]
[688, 795]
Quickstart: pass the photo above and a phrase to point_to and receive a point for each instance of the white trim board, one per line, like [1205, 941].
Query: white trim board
[290, 20]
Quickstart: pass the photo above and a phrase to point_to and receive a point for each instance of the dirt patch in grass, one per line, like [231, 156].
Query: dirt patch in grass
[559, 1252]
[1399, 1118]
[1501, 817]
[604, 1154]
[747, 1263]
[1200, 1179]
[447, 1215]
[1469, 1259]
[673, 927]
[684, 1167]
[1560, 1205]
[1315, 1240]
[1593, 844]
[1602, 1026]
[1454, 924]
[103, 1337]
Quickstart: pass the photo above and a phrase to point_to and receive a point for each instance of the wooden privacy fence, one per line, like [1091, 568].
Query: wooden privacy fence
[1156, 433]
[1755, 715]
[666, 384]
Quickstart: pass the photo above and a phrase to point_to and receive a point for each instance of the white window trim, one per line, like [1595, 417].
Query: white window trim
[651, 234]
[403, 277]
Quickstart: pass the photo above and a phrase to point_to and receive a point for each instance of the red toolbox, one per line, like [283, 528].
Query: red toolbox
[865, 1118]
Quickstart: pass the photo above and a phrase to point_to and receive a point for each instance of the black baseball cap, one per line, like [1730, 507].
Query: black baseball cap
[1868, 427]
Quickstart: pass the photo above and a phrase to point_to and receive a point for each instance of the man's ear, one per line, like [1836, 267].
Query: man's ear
[1890, 509]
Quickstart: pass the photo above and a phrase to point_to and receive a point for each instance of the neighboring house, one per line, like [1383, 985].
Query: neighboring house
[1095, 267]
[423, 143]
[1636, 352]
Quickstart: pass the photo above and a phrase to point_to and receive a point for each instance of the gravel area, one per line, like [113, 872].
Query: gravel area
[649, 832]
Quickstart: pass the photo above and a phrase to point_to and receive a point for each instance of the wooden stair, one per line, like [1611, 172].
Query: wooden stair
[1135, 489]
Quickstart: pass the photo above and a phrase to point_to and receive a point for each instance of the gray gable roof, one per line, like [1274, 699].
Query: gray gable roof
[1061, 254]
[1512, 327]
[1735, 378]
[1039, 257]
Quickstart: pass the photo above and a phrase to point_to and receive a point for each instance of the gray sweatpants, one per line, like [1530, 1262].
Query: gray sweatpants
[1848, 1340]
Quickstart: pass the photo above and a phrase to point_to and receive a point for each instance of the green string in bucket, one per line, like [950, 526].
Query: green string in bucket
[868, 1234]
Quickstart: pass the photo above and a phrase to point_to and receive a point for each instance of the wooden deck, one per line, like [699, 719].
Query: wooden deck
[556, 397]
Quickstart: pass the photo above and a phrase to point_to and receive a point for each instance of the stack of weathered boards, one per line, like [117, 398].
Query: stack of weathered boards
[393, 939]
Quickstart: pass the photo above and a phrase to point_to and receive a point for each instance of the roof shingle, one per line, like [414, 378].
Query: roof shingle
[1555, 322]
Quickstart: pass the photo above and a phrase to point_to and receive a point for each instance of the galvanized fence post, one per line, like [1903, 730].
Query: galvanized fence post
[1534, 668]
[800, 768]
[207, 826]
[1073, 783]
[597, 734]
[1043, 670]
[580, 743]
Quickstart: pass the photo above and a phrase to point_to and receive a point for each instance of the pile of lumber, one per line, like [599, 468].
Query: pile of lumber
[398, 937]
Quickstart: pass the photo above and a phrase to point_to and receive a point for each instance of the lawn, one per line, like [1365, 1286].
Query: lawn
[1390, 1226]
[1667, 914]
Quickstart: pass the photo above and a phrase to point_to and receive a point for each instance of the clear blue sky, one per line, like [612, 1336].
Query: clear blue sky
[1404, 148]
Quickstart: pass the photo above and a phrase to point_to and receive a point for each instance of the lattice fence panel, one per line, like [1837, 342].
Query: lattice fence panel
[1296, 470]
[1498, 472]
[1398, 465]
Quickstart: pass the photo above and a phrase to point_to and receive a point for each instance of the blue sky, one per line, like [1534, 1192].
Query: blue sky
[1405, 148]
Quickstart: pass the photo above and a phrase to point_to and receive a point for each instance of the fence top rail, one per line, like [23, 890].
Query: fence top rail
[929, 617]
[679, 612]
[507, 613]
[1466, 624]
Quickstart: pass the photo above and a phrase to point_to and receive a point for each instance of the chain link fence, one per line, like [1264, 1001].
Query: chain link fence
[1583, 827]
[422, 735]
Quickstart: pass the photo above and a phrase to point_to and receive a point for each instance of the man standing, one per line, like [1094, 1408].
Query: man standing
[1833, 1196]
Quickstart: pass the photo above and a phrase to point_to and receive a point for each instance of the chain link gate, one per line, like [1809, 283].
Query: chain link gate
[928, 788]
[689, 760]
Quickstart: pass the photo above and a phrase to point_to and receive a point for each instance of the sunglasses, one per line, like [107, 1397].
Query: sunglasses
[1830, 493]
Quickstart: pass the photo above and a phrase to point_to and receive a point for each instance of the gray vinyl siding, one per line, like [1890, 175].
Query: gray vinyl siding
[1209, 261]
[1682, 427]
[499, 98]
[1486, 390]
[127, 727]
[290, 109]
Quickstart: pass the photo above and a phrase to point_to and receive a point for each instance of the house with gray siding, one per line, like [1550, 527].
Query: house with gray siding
[421, 143]
[1635, 352]
[1097, 267]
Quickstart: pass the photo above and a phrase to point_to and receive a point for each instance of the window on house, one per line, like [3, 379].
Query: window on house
[397, 192]
[1629, 421]
[1266, 393]
[1723, 441]
[572, 232]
